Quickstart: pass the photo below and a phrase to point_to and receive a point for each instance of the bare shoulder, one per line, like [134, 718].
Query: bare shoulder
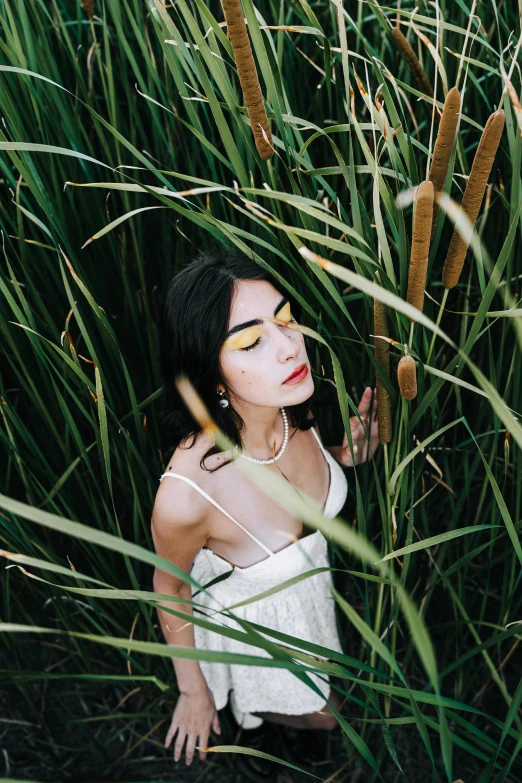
[176, 499]
[180, 522]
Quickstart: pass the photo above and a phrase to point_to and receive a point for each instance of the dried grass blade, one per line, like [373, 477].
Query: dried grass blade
[515, 100]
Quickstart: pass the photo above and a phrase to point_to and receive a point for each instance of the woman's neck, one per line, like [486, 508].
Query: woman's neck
[263, 426]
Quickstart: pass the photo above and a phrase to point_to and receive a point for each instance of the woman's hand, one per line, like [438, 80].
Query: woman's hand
[359, 433]
[194, 715]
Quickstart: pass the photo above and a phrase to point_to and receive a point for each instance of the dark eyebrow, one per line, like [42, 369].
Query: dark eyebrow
[255, 321]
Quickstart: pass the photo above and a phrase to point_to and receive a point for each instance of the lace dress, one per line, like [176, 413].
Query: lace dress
[304, 610]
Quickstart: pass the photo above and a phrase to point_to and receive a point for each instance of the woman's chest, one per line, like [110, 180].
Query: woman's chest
[258, 513]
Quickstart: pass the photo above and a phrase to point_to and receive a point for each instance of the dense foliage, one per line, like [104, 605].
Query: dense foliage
[125, 146]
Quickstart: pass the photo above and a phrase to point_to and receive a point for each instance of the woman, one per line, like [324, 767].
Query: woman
[223, 327]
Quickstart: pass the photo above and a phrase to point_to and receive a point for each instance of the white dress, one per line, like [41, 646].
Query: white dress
[304, 610]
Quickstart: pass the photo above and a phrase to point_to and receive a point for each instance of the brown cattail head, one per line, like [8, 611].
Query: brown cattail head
[407, 376]
[382, 354]
[88, 7]
[420, 245]
[412, 61]
[443, 146]
[247, 72]
[473, 195]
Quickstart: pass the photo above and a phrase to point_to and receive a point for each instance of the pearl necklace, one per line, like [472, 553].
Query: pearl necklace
[279, 453]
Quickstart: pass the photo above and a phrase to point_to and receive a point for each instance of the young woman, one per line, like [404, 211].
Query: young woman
[223, 327]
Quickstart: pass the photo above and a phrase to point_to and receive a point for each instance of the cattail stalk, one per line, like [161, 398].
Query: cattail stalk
[247, 71]
[420, 245]
[412, 62]
[382, 354]
[473, 195]
[407, 377]
[442, 152]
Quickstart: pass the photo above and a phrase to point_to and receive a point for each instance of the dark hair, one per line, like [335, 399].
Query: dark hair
[192, 328]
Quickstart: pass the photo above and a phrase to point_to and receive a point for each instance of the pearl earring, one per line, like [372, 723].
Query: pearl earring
[223, 400]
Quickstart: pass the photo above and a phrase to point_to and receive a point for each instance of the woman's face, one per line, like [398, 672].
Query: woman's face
[257, 358]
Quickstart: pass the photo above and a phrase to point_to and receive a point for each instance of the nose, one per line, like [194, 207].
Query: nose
[288, 346]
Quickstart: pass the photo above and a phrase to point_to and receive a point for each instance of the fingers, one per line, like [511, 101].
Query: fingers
[170, 733]
[191, 745]
[203, 742]
[368, 399]
[191, 741]
[363, 428]
[215, 724]
[180, 740]
[364, 405]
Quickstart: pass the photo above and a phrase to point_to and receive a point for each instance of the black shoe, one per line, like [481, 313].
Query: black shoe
[309, 749]
[265, 739]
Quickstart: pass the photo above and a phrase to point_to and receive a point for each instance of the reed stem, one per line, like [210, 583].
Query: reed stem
[439, 316]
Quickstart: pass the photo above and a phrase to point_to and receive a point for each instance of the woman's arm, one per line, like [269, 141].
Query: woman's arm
[176, 630]
[179, 532]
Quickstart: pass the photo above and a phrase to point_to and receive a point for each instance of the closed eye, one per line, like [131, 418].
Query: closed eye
[250, 347]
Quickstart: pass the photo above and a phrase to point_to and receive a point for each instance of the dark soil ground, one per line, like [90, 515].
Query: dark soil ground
[85, 731]
[80, 728]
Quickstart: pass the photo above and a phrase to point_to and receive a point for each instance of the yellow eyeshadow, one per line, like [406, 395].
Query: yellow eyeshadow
[284, 313]
[243, 339]
[247, 337]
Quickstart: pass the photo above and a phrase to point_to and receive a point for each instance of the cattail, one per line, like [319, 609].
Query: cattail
[473, 195]
[407, 376]
[420, 245]
[247, 71]
[443, 146]
[412, 61]
[88, 7]
[382, 354]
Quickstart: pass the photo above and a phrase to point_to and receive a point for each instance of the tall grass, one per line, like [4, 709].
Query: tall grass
[126, 144]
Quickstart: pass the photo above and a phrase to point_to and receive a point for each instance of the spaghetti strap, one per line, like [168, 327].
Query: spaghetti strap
[318, 439]
[202, 492]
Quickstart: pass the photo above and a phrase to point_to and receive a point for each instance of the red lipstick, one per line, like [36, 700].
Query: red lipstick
[298, 375]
